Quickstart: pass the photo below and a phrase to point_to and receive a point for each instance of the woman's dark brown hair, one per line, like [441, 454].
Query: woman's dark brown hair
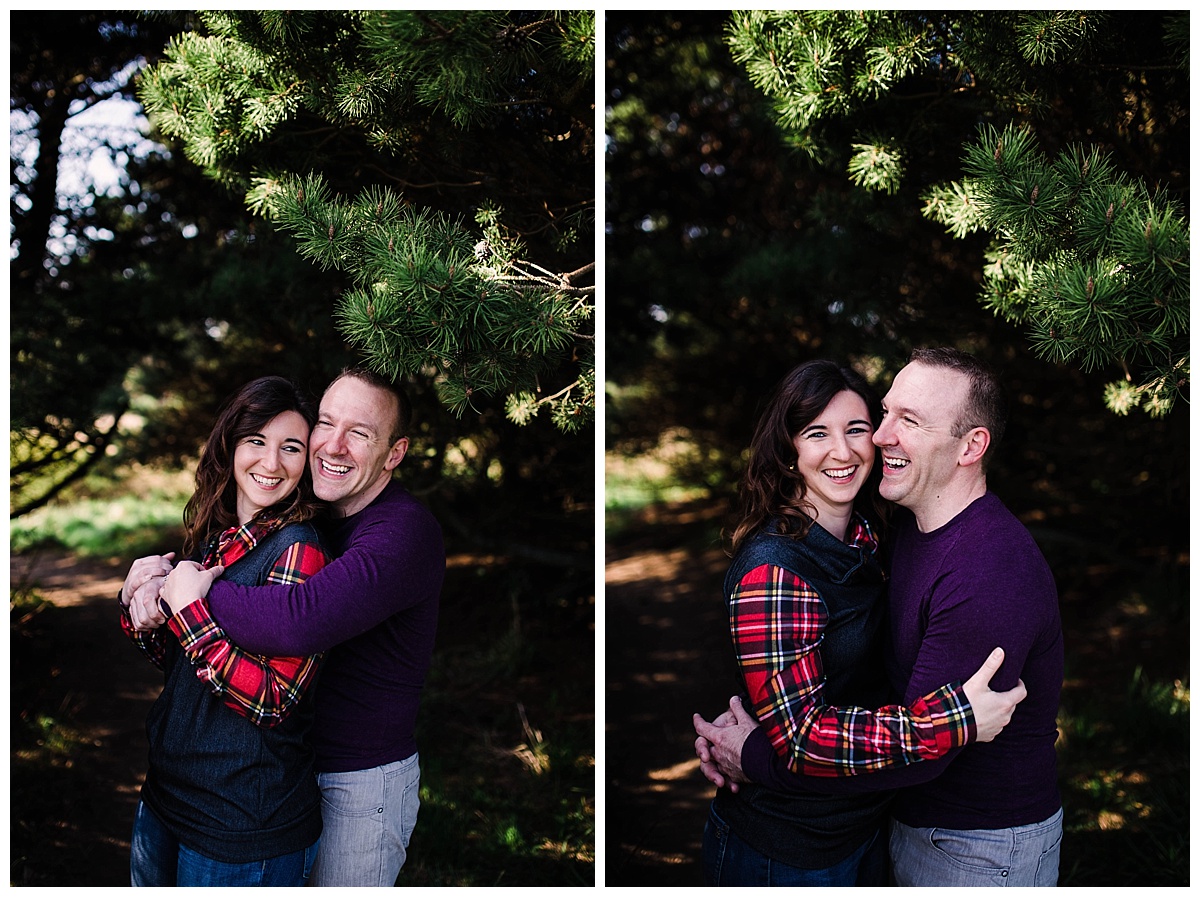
[213, 506]
[772, 488]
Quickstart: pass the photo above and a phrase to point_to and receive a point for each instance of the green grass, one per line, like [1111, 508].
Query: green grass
[1124, 769]
[126, 526]
[507, 748]
[1124, 727]
[661, 475]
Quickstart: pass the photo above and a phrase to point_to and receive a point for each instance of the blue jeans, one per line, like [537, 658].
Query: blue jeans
[368, 816]
[158, 859]
[730, 861]
[1025, 856]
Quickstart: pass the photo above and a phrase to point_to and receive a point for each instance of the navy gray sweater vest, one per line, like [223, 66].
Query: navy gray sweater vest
[229, 789]
[814, 831]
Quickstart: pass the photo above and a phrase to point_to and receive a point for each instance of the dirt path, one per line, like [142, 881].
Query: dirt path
[665, 631]
[71, 821]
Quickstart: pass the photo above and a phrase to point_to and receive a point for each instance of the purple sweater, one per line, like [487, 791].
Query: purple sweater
[373, 610]
[955, 594]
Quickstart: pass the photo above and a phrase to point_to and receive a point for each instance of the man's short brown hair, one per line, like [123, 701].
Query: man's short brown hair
[986, 404]
[371, 378]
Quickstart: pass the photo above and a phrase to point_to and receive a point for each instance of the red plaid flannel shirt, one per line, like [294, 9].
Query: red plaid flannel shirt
[263, 689]
[778, 622]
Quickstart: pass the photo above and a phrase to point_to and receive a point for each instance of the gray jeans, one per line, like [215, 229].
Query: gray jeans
[369, 816]
[1025, 856]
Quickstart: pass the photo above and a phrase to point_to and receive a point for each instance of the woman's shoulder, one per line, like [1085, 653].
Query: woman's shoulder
[304, 531]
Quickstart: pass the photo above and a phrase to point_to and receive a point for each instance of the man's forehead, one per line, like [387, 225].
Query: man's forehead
[922, 387]
[358, 403]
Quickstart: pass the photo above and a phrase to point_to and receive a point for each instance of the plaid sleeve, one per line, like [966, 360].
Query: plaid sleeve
[149, 643]
[778, 622]
[263, 689]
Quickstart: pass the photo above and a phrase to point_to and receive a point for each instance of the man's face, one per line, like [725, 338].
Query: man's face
[920, 452]
[349, 452]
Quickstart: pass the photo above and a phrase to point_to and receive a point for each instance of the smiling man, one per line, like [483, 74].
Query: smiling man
[966, 576]
[373, 610]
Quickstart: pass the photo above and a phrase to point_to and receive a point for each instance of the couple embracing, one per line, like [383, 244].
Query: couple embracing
[878, 591]
[258, 775]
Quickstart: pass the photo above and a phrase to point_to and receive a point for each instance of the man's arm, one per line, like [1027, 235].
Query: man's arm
[263, 689]
[392, 561]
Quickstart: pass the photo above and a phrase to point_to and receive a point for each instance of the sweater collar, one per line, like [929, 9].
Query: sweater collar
[834, 558]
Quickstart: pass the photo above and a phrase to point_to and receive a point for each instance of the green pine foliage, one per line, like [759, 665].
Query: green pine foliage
[1092, 261]
[432, 296]
[1087, 256]
[441, 160]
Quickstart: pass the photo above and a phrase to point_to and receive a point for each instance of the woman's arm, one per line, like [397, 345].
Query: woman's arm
[262, 689]
[778, 623]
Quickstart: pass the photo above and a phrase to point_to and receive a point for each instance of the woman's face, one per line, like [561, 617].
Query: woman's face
[835, 454]
[267, 466]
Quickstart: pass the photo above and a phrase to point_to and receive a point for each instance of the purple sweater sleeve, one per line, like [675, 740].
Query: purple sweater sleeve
[385, 565]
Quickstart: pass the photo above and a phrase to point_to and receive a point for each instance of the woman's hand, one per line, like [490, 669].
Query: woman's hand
[188, 582]
[993, 709]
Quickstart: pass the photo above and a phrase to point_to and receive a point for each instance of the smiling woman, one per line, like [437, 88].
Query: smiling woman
[231, 796]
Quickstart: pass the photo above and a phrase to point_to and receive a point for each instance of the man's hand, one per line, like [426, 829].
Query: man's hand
[188, 582]
[708, 765]
[143, 571]
[143, 609]
[719, 744]
[993, 709]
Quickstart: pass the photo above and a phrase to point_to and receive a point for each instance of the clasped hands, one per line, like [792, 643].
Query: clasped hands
[153, 578]
[719, 744]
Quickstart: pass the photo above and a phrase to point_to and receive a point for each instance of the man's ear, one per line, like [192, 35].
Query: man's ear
[975, 446]
[396, 455]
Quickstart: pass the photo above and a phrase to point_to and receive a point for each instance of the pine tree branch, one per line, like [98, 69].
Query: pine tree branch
[409, 184]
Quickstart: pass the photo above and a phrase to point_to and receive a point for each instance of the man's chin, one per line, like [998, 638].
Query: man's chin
[890, 491]
[327, 491]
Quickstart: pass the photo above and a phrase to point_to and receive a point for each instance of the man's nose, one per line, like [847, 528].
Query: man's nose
[883, 434]
[336, 443]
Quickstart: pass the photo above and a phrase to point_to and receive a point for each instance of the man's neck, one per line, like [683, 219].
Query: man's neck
[951, 502]
[352, 504]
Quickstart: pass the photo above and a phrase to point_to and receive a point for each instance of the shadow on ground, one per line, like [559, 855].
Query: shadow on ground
[666, 646]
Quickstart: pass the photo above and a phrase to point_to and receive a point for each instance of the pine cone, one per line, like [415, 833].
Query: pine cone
[511, 38]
